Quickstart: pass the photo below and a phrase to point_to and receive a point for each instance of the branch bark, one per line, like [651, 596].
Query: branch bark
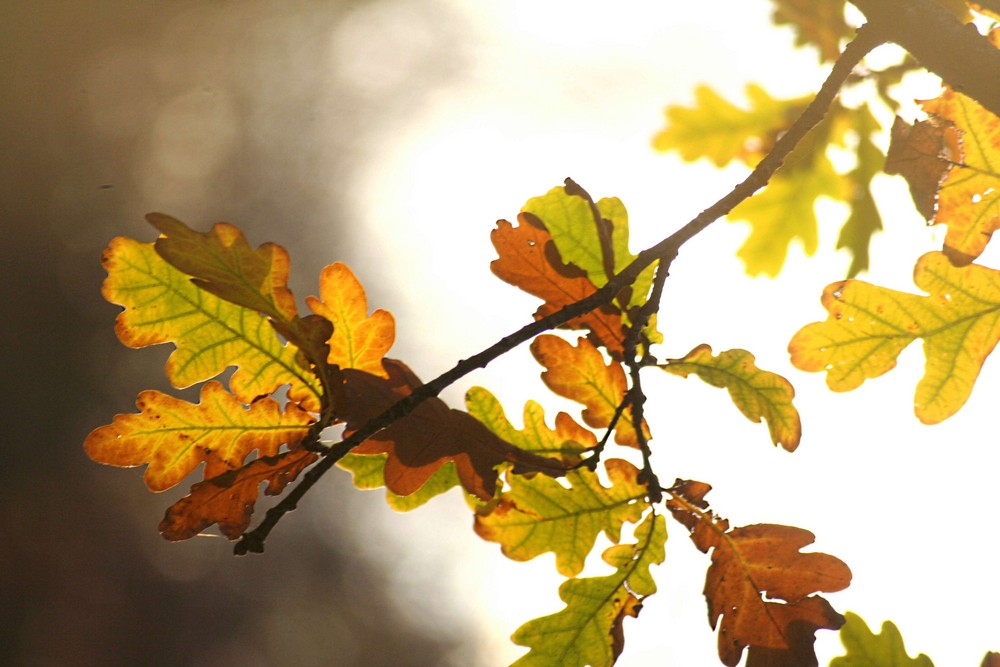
[957, 53]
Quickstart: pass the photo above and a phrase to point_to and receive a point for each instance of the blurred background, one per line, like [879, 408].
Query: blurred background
[391, 134]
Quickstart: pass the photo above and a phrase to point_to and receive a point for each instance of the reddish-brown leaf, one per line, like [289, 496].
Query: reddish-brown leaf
[228, 499]
[922, 153]
[529, 260]
[751, 566]
[991, 659]
[420, 443]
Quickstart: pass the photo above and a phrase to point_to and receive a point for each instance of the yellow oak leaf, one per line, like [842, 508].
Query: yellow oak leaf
[173, 436]
[539, 514]
[580, 373]
[868, 326]
[968, 200]
[162, 305]
[359, 340]
[758, 394]
[821, 24]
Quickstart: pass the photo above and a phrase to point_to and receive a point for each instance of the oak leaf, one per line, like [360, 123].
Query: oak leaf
[580, 373]
[162, 305]
[567, 441]
[820, 24]
[589, 630]
[716, 129]
[969, 195]
[359, 340]
[419, 444]
[222, 263]
[922, 153]
[751, 567]
[864, 219]
[868, 326]
[758, 394]
[866, 649]
[368, 472]
[991, 659]
[228, 499]
[528, 260]
[173, 436]
[538, 514]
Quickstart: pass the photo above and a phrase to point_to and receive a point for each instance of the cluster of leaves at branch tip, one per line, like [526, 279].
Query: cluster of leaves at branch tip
[223, 304]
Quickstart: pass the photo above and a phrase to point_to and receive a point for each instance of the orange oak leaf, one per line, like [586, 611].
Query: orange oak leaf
[358, 340]
[580, 373]
[173, 436]
[969, 198]
[751, 567]
[228, 499]
[528, 259]
[991, 659]
[420, 443]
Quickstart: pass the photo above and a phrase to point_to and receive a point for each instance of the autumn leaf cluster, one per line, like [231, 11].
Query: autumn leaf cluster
[274, 382]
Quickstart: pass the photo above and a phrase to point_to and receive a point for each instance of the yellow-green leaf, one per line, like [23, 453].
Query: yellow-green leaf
[368, 472]
[868, 326]
[210, 334]
[758, 394]
[866, 649]
[567, 441]
[864, 220]
[785, 211]
[539, 514]
[820, 24]
[173, 436]
[722, 132]
[589, 631]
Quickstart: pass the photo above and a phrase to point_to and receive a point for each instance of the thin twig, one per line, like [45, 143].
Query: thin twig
[665, 251]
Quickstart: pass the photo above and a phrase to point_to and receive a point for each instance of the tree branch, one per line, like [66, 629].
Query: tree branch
[665, 251]
[957, 53]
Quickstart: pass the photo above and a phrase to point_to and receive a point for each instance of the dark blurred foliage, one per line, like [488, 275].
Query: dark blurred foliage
[206, 110]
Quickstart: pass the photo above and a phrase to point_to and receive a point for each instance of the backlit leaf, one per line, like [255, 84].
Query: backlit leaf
[969, 196]
[589, 631]
[580, 373]
[210, 334]
[539, 514]
[222, 263]
[567, 441]
[868, 326]
[758, 394]
[529, 260]
[722, 132]
[228, 499]
[419, 444]
[785, 211]
[359, 340]
[991, 659]
[173, 436]
[866, 649]
[751, 567]
[820, 24]
[864, 220]
[369, 473]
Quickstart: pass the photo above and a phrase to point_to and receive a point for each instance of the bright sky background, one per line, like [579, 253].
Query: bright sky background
[577, 89]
